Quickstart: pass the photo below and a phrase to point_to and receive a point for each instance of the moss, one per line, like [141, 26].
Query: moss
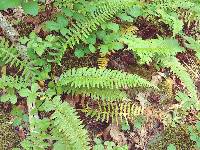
[179, 136]
[8, 138]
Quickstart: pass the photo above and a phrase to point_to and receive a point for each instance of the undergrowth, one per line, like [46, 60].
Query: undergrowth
[99, 28]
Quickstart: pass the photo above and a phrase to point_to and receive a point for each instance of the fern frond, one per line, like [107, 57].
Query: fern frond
[104, 12]
[8, 55]
[116, 112]
[101, 78]
[182, 73]
[66, 122]
[11, 82]
[193, 44]
[170, 11]
[187, 102]
[147, 50]
[98, 93]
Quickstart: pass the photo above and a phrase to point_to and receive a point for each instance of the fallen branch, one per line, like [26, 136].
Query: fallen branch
[13, 36]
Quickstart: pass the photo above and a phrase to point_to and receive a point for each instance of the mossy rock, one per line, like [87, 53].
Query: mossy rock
[8, 138]
[179, 136]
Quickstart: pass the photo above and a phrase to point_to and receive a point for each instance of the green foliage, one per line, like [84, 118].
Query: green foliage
[30, 94]
[67, 125]
[29, 7]
[181, 72]
[193, 44]
[187, 102]
[105, 11]
[9, 55]
[195, 134]
[153, 49]
[170, 11]
[98, 93]
[92, 26]
[108, 145]
[104, 84]
[171, 147]
[20, 117]
[112, 79]
[36, 139]
[58, 25]
[9, 85]
[162, 51]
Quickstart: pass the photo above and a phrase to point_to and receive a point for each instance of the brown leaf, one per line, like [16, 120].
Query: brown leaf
[117, 135]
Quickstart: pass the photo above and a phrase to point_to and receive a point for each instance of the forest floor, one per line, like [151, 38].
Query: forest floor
[121, 60]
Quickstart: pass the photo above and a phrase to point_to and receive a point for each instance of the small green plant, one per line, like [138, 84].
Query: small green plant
[29, 7]
[194, 134]
[108, 145]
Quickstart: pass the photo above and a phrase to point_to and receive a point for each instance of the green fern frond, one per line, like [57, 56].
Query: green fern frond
[104, 12]
[171, 12]
[98, 93]
[116, 112]
[147, 50]
[174, 5]
[65, 121]
[8, 55]
[101, 78]
[11, 82]
[193, 44]
[187, 102]
[182, 73]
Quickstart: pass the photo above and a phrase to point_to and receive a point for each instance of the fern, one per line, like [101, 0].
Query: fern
[169, 11]
[8, 55]
[69, 126]
[182, 73]
[193, 44]
[98, 93]
[11, 82]
[101, 78]
[163, 51]
[187, 102]
[147, 50]
[105, 11]
[117, 112]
